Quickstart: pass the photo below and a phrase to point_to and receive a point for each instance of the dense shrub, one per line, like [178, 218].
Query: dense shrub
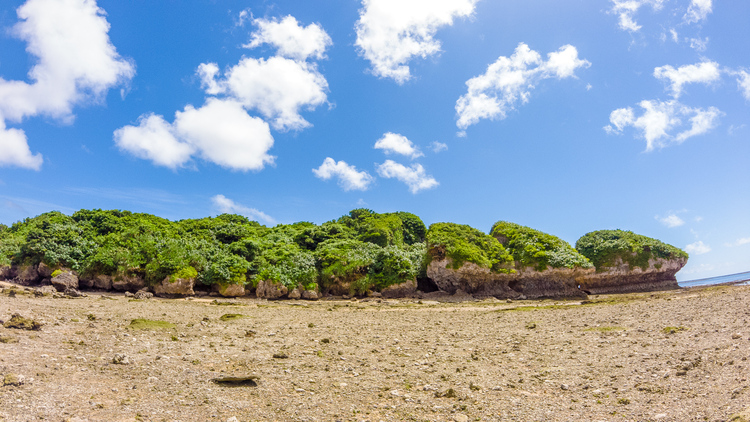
[604, 247]
[532, 248]
[462, 243]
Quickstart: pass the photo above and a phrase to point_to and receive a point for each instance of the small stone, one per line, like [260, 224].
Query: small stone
[128, 294]
[232, 419]
[121, 359]
[564, 387]
[280, 355]
[246, 380]
[460, 418]
[14, 380]
[142, 294]
[736, 336]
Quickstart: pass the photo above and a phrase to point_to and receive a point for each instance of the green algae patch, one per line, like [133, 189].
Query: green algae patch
[230, 317]
[147, 324]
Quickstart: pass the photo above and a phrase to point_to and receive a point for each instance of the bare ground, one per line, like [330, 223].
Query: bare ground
[668, 356]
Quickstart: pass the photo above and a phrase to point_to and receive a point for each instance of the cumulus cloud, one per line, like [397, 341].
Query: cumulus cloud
[220, 132]
[348, 176]
[626, 10]
[698, 11]
[660, 119]
[743, 83]
[14, 149]
[154, 139]
[509, 80]
[706, 72]
[75, 64]
[278, 88]
[392, 32]
[393, 143]
[699, 44]
[415, 176]
[227, 206]
[697, 248]
[671, 221]
[290, 38]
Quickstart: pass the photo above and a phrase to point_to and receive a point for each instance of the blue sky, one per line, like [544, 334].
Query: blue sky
[566, 116]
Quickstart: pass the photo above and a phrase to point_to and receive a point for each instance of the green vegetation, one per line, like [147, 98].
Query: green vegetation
[605, 247]
[532, 248]
[462, 243]
[363, 250]
[230, 317]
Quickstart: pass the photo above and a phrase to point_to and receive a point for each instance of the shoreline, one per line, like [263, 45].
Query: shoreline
[612, 357]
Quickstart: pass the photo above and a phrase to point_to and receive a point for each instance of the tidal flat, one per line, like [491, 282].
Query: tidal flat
[678, 355]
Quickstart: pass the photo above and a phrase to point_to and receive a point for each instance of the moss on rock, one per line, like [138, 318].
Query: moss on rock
[536, 249]
[605, 248]
[462, 243]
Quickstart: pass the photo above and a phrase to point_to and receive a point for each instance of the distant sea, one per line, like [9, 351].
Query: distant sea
[739, 278]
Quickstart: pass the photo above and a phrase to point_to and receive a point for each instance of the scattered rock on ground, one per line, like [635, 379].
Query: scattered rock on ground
[19, 322]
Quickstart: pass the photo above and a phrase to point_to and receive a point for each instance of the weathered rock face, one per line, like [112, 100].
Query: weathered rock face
[64, 281]
[407, 289]
[295, 294]
[620, 278]
[526, 283]
[230, 290]
[27, 275]
[103, 282]
[44, 270]
[310, 295]
[267, 289]
[470, 278]
[128, 283]
[7, 272]
[175, 287]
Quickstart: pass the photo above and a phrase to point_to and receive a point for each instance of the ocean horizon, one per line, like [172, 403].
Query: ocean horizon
[738, 278]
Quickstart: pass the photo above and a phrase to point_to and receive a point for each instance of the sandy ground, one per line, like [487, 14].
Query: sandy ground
[613, 358]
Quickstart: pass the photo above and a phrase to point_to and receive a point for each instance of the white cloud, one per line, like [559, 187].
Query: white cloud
[697, 248]
[438, 147]
[698, 11]
[626, 9]
[225, 134]
[699, 44]
[391, 32]
[14, 150]
[75, 64]
[393, 143]
[659, 120]
[741, 241]
[743, 83]
[414, 176]
[278, 88]
[671, 221]
[220, 132]
[153, 139]
[290, 38]
[675, 36]
[706, 72]
[349, 177]
[508, 81]
[227, 206]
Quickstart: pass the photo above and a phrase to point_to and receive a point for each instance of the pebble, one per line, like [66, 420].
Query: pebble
[736, 336]
[564, 387]
[461, 418]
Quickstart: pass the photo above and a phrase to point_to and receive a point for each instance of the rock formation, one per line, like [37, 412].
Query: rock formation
[65, 280]
[621, 278]
[629, 262]
[172, 287]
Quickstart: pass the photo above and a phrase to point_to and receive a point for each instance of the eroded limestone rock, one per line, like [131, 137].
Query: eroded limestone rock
[64, 281]
[267, 289]
[621, 278]
[175, 287]
[230, 290]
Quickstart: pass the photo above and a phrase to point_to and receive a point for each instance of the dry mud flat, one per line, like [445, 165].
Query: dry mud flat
[668, 356]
